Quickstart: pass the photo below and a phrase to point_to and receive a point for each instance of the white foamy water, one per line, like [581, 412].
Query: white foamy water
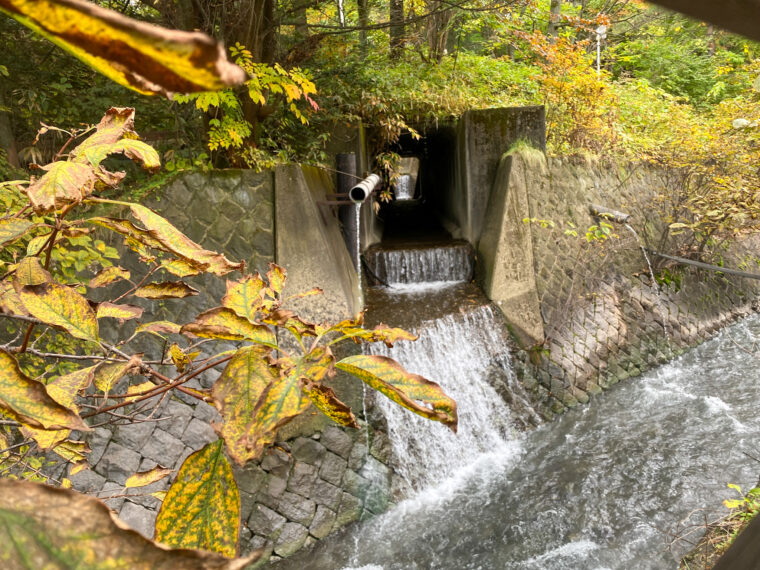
[466, 354]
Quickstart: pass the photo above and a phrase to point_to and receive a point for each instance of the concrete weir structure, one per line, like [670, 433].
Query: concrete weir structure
[582, 317]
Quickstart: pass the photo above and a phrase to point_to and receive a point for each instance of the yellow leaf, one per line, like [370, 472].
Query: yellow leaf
[13, 228]
[121, 312]
[238, 393]
[77, 468]
[130, 231]
[138, 55]
[179, 358]
[108, 374]
[181, 268]
[109, 275]
[160, 495]
[46, 438]
[28, 401]
[29, 272]
[178, 243]
[165, 290]
[64, 389]
[202, 508]
[159, 328]
[328, 403]
[381, 333]
[66, 483]
[276, 276]
[61, 306]
[62, 184]
[245, 296]
[10, 302]
[144, 478]
[35, 520]
[223, 323]
[73, 451]
[406, 389]
[138, 390]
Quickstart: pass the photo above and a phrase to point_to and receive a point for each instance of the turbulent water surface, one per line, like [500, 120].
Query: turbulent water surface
[606, 486]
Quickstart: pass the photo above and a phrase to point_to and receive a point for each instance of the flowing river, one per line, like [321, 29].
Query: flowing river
[609, 485]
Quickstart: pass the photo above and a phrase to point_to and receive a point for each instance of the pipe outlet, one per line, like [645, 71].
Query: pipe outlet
[361, 191]
[609, 214]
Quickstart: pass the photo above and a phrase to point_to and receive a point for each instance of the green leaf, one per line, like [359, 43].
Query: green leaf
[406, 389]
[46, 527]
[61, 306]
[202, 508]
[28, 401]
[138, 55]
[255, 401]
[223, 323]
[62, 184]
[165, 290]
[11, 229]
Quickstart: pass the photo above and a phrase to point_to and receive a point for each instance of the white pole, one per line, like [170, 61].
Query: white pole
[601, 33]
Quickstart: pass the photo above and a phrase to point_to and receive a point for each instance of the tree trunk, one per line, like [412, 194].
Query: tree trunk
[363, 9]
[302, 27]
[711, 40]
[397, 27]
[7, 140]
[555, 10]
[437, 30]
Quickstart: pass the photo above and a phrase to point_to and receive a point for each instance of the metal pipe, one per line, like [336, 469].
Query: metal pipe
[609, 214]
[361, 191]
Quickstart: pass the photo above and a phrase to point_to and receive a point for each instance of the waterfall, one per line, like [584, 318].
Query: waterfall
[466, 354]
[421, 264]
[404, 188]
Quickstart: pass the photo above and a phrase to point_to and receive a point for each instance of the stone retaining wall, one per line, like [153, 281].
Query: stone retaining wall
[595, 315]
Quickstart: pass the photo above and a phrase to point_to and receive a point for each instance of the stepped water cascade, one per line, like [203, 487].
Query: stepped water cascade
[425, 263]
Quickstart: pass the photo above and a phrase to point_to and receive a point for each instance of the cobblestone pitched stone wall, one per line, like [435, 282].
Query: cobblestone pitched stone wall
[604, 319]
